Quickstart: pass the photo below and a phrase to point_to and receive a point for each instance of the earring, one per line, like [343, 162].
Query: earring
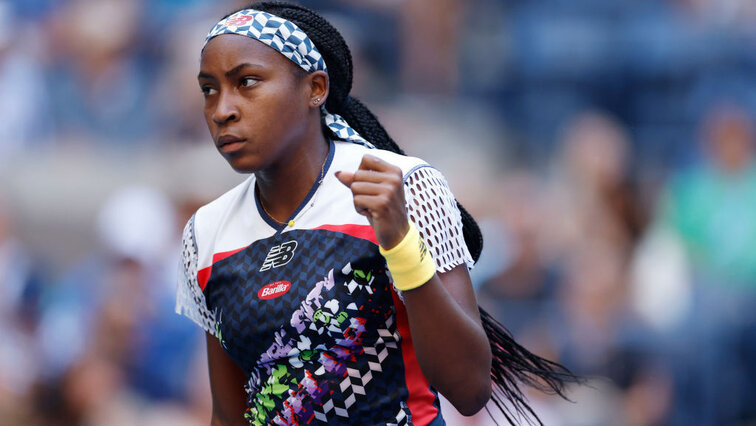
[316, 101]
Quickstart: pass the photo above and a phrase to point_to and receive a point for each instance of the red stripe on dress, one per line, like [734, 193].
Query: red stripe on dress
[203, 275]
[421, 399]
[364, 232]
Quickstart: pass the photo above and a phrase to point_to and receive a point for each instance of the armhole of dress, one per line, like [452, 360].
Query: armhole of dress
[190, 300]
[431, 206]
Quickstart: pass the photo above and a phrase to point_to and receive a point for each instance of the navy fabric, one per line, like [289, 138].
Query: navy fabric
[328, 348]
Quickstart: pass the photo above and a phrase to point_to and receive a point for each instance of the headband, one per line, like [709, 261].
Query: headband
[289, 40]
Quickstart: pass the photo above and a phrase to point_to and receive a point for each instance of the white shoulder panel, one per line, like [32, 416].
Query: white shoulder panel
[228, 223]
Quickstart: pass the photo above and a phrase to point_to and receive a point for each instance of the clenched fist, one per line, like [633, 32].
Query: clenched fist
[378, 191]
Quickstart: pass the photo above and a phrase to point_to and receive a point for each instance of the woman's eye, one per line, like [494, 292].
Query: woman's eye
[207, 90]
[248, 81]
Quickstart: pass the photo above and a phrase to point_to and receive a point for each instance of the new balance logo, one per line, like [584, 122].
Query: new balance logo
[279, 255]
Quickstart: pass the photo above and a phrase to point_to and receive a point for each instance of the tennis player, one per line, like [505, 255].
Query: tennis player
[333, 282]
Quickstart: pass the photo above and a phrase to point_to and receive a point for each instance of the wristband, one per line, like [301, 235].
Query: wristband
[410, 263]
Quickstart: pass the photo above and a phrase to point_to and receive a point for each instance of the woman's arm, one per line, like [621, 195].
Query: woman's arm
[451, 346]
[226, 385]
[226, 378]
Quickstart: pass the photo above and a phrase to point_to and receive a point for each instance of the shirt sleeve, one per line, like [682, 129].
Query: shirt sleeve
[431, 206]
[190, 300]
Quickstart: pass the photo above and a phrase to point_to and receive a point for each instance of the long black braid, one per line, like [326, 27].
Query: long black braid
[512, 364]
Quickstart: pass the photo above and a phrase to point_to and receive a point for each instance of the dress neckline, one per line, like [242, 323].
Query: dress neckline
[279, 227]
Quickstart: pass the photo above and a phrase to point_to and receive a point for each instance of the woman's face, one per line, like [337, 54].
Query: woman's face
[256, 105]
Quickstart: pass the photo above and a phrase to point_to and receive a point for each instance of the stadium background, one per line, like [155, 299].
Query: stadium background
[606, 148]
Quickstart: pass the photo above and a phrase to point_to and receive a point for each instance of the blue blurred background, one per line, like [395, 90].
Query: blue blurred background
[606, 147]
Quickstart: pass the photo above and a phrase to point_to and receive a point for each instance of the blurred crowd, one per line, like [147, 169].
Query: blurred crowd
[605, 147]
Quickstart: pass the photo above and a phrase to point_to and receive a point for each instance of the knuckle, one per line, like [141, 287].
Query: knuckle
[388, 188]
[394, 175]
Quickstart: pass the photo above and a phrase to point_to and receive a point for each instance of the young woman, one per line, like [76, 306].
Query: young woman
[333, 282]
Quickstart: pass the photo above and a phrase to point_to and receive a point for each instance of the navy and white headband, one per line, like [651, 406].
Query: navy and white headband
[288, 39]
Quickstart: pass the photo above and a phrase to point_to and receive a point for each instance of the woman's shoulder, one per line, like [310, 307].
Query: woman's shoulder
[219, 207]
[351, 154]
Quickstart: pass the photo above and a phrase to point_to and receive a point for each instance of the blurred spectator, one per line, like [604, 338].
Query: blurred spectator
[20, 284]
[98, 81]
[707, 211]
[591, 195]
[24, 106]
[710, 206]
[114, 312]
[525, 286]
[429, 52]
[177, 98]
[564, 291]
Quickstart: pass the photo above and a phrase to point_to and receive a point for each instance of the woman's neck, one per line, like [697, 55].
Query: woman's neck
[282, 187]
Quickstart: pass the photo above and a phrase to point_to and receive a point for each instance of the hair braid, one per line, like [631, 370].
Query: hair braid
[338, 59]
[363, 120]
[511, 362]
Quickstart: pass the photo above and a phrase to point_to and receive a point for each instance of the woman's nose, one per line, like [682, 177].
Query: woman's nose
[226, 109]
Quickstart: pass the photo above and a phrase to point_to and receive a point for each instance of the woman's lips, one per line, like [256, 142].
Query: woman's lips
[228, 144]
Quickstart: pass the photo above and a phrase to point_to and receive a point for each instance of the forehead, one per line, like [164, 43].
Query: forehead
[226, 51]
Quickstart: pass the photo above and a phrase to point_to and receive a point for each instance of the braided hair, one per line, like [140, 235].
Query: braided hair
[512, 364]
[338, 59]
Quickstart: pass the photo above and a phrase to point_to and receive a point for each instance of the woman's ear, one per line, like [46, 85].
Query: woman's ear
[318, 82]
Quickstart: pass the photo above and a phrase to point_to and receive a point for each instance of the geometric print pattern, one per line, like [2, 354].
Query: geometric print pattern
[357, 379]
[288, 39]
[328, 349]
[235, 281]
[278, 33]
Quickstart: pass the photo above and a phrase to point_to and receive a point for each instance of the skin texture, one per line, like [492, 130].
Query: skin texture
[227, 382]
[264, 117]
[273, 107]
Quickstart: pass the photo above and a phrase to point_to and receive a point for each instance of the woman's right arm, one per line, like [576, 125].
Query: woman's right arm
[227, 382]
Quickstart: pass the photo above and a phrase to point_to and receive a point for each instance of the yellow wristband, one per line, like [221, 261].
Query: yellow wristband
[410, 263]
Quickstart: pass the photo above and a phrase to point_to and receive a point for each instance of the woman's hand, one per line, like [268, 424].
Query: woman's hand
[378, 191]
[451, 346]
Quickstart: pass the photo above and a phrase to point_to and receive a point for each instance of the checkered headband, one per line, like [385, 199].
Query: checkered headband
[288, 39]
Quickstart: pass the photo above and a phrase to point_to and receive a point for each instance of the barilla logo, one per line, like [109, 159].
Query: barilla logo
[273, 290]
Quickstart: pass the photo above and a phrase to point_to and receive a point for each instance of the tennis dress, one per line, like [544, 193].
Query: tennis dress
[307, 309]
